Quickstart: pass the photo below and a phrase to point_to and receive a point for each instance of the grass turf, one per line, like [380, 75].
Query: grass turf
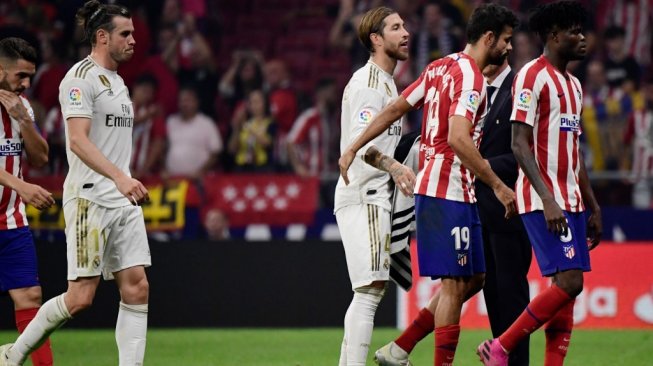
[317, 347]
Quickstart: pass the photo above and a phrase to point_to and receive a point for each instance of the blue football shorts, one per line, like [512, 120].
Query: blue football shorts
[18, 265]
[449, 240]
[557, 253]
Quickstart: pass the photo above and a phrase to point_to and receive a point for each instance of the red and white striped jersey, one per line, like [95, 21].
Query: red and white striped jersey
[636, 18]
[307, 134]
[452, 85]
[12, 208]
[551, 103]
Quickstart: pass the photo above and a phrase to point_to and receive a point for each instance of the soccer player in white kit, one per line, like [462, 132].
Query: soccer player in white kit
[362, 199]
[105, 229]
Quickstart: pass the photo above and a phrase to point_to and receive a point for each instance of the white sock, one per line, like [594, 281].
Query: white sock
[359, 323]
[50, 316]
[131, 329]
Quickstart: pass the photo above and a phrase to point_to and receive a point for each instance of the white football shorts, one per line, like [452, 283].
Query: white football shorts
[102, 240]
[365, 232]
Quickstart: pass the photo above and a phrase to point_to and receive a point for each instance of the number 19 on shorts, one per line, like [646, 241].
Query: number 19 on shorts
[461, 236]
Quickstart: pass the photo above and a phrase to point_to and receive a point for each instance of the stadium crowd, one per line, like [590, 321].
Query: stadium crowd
[254, 86]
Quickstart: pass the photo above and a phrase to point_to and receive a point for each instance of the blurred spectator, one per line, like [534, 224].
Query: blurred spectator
[639, 140]
[636, 18]
[45, 84]
[53, 128]
[251, 141]
[622, 70]
[216, 225]
[312, 144]
[157, 65]
[130, 70]
[525, 49]
[149, 134]
[244, 75]
[604, 116]
[283, 102]
[433, 39]
[194, 141]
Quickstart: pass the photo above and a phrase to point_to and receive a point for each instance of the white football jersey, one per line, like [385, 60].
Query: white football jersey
[90, 91]
[368, 91]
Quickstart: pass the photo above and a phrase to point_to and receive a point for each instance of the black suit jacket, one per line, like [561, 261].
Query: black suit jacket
[495, 147]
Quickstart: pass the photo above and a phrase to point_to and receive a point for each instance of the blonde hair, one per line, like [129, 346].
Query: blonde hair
[373, 22]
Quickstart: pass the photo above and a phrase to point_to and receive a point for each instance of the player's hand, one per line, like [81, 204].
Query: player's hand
[507, 198]
[14, 106]
[404, 178]
[345, 162]
[594, 229]
[556, 222]
[134, 190]
[35, 195]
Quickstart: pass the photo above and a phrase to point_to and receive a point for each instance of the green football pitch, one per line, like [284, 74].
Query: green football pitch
[317, 347]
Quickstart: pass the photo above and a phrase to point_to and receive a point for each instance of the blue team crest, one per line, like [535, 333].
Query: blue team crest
[462, 259]
[569, 251]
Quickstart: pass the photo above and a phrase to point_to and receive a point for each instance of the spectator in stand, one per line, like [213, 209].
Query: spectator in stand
[149, 134]
[252, 141]
[216, 224]
[244, 75]
[524, 49]
[636, 18]
[622, 70]
[434, 39]
[283, 101]
[158, 65]
[194, 142]
[639, 140]
[310, 150]
[343, 32]
[49, 74]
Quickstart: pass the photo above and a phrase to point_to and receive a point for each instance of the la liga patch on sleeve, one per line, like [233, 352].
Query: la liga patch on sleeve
[472, 101]
[524, 99]
[365, 116]
[75, 97]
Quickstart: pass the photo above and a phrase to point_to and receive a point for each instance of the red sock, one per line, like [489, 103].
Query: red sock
[558, 334]
[42, 356]
[446, 341]
[539, 311]
[422, 325]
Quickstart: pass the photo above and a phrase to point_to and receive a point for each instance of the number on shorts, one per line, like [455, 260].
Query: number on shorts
[461, 235]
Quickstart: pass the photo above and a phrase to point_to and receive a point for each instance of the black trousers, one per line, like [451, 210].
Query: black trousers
[507, 258]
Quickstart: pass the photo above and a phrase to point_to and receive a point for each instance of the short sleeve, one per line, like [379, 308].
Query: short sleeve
[468, 93]
[365, 104]
[414, 93]
[524, 100]
[76, 98]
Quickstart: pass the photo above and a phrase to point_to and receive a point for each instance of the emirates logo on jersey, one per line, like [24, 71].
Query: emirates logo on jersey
[11, 147]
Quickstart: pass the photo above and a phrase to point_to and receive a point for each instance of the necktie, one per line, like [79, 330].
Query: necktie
[490, 92]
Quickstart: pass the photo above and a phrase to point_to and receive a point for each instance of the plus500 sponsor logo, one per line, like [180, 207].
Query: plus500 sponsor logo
[569, 123]
[11, 147]
[429, 151]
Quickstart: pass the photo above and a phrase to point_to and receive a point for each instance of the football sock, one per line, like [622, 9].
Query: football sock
[42, 356]
[48, 318]
[446, 341]
[540, 310]
[558, 335]
[359, 323]
[131, 331]
[422, 325]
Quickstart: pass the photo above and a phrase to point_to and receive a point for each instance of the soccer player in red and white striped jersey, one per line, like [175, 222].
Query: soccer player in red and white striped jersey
[18, 264]
[452, 91]
[552, 187]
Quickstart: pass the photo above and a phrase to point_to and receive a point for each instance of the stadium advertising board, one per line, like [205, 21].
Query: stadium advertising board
[618, 292]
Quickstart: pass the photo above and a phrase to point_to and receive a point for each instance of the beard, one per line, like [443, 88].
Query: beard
[497, 58]
[396, 54]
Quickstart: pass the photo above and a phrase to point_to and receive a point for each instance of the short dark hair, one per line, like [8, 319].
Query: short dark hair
[563, 14]
[489, 17]
[15, 49]
[373, 22]
[94, 15]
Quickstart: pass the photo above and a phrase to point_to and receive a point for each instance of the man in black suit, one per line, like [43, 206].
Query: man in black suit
[507, 247]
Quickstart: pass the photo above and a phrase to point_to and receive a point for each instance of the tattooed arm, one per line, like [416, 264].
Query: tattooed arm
[403, 176]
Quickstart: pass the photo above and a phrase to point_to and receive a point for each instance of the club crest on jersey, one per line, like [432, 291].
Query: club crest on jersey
[524, 99]
[473, 101]
[569, 251]
[11, 147]
[569, 122]
[365, 116]
[462, 259]
[75, 97]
